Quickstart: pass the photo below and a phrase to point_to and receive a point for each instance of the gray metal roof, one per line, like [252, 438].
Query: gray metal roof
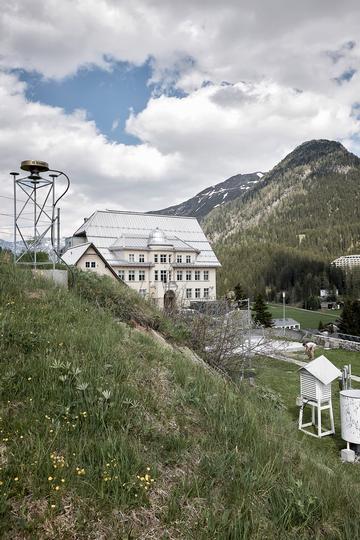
[104, 228]
[288, 322]
[73, 254]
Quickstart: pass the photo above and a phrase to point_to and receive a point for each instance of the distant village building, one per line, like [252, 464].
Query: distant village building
[327, 292]
[289, 324]
[165, 258]
[347, 261]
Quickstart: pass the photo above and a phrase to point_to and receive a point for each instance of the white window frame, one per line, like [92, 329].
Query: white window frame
[197, 275]
[163, 276]
[131, 257]
[188, 293]
[121, 274]
[131, 275]
[163, 258]
[206, 292]
[156, 258]
[93, 264]
[206, 275]
[188, 275]
[197, 293]
[188, 259]
[141, 257]
[179, 259]
[87, 264]
[156, 275]
[141, 275]
[179, 275]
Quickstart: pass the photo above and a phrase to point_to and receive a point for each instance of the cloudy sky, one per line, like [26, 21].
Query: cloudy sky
[146, 102]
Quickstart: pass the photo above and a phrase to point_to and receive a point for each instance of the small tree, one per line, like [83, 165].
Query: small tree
[239, 293]
[350, 319]
[312, 302]
[262, 314]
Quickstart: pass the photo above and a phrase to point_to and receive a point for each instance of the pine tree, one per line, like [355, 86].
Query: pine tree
[350, 319]
[239, 293]
[262, 314]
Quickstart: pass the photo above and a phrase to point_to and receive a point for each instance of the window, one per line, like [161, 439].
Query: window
[131, 257]
[141, 257]
[121, 274]
[93, 264]
[163, 276]
[197, 293]
[197, 275]
[141, 275]
[142, 292]
[206, 275]
[179, 259]
[188, 293]
[188, 275]
[188, 258]
[156, 275]
[131, 275]
[87, 264]
[156, 258]
[169, 259]
[179, 275]
[206, 293]
[163, 258]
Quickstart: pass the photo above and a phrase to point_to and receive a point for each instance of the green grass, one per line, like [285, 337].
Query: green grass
[92, 407]
[283, 378]
[306, 318]
[339, 357]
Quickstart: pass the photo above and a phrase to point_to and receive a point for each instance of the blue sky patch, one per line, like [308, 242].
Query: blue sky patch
[107, 96]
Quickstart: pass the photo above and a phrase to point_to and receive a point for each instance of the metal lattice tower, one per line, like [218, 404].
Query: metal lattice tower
[35, 203]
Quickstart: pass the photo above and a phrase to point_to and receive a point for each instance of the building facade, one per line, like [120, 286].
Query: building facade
[347, 261]
[164, 258]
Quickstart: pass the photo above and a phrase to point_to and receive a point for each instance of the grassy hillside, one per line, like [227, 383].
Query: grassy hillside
[306, 318]
[106, 434]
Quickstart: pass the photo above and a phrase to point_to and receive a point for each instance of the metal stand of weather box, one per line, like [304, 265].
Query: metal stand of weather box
[315, 390]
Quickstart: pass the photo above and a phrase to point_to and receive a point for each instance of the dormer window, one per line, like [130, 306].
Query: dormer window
[131, 257]
[141, 257]
[188, 259]
[179, 259]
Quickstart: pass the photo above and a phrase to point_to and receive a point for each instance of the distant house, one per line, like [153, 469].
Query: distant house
[88, 257]
[289, 324]
[326, 292]
[347, 261]
[165, 258]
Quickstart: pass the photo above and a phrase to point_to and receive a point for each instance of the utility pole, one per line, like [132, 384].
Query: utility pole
[283, 295]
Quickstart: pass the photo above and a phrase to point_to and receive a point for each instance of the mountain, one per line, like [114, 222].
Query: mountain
[214, 196]
[304, 213]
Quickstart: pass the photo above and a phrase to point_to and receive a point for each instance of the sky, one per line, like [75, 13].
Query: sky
[144, 103]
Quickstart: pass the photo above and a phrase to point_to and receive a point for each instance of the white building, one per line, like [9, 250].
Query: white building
[165, 258]
[347, 261]
[290, 324]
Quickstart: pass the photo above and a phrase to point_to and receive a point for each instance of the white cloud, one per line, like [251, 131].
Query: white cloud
[289, 59]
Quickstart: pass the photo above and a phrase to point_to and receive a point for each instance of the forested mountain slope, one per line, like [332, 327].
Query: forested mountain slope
[306, 208]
